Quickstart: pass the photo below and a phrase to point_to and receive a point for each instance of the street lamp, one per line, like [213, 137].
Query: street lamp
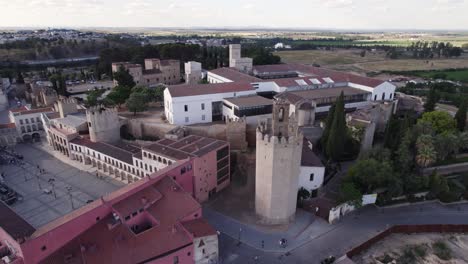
[70, 195]
[51, 181]
[240, 231]
[37, 177]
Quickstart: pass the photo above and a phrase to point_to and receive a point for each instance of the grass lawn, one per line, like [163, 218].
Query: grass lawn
[458, 75]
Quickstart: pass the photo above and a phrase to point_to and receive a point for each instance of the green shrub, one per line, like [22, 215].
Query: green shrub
[441, 250]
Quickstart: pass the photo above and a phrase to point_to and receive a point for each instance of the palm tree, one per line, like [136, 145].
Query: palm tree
[426, 153]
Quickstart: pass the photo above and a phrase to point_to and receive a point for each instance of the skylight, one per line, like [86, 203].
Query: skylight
[328, 80]
[301, 82]
[315, 81]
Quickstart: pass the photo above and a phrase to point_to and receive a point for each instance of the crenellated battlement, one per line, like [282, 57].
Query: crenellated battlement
[284, 141]
[101, 110]
[241, 120]
[65, 100]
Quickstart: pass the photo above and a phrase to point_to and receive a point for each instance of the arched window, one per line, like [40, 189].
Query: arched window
[383, 96]
[281, 114]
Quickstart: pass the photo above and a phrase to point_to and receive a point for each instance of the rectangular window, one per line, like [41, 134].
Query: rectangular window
[203, 117]
[186, 108]
[21, 122]
[222, 153]
[186, 119]
[202, 106]
[311, 177]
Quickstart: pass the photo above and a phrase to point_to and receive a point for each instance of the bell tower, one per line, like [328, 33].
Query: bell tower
[278, 160]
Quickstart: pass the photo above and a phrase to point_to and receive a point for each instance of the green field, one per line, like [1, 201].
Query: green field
[454, 75]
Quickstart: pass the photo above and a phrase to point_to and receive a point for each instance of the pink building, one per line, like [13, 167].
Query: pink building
[153, 220]
[211, 161]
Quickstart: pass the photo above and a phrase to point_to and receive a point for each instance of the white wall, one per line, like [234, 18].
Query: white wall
[304, 177]
[214, 78]
[175, 106]
[386, 87]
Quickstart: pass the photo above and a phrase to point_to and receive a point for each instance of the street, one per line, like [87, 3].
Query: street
[353, 230]
[54, 192]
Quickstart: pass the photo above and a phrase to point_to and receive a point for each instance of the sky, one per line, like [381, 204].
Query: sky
[317, 14]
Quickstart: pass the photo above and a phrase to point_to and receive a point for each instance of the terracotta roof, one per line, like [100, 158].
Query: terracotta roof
[311, 72]
[215, 88]
[25, 111]
[234, 75]
[190, 146]
[99, 244]
[13, 224]
[199, 228]
[10, 125]
[20, 109]
[251, 100]
[120, 151]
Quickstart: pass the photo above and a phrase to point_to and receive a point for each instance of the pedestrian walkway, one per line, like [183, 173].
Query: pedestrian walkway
[327, 238]
[56, 154]
[305, 227]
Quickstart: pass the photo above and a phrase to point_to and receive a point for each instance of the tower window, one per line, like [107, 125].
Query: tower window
[311, 177]
[281, 114]
[202, 106]
[383, 96]
[186, 108]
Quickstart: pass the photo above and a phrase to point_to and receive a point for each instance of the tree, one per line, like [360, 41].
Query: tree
[404, 156]
[119, 95]
[437, 184]
[151, 94]
[349, 193]
[446, 144]
[92, 97]
[328, 124]
[460, 116]
[392, 134]
[440, 121]
[123, 77]
[431, 100]
[338, 132]
[137, 103]
[426, 154]
[20, 78]
[367, 175]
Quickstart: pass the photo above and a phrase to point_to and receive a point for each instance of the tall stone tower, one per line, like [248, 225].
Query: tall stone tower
[103, 124]
[67, 106]
[236, 61]
[278, 160]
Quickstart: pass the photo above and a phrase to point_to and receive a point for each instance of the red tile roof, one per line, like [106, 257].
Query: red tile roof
[199, 228]
[190, 146]
[121, 151]
[99, 244]
[25, 111]
[20, 109]
[235, 75]
[10, 125]
[311, 72]
[215, 88]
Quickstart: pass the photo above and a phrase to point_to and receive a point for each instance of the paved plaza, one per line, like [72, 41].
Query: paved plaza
[42, 199]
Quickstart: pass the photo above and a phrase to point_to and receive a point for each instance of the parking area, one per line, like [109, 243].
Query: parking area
[48, 188]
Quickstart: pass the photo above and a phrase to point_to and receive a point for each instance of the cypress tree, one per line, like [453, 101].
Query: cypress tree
[328, 124]
[338, 131]
[460, 116]
[431, 101]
